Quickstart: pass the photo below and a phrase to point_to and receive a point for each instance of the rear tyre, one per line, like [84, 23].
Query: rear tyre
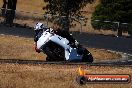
[48, 59]
[87, 57]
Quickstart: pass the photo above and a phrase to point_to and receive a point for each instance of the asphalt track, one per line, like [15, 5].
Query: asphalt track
[119, 44]
[65, 63]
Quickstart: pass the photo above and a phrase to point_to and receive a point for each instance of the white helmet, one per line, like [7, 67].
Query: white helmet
[39, 26]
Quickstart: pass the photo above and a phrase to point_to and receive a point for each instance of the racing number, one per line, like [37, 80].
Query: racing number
[60, 38]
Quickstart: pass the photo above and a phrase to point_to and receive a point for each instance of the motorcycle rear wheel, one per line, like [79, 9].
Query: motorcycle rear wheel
[87, 57]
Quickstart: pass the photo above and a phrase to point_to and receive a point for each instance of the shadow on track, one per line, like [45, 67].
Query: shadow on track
[18, 30]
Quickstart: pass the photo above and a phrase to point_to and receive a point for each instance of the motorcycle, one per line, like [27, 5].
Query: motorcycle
[58, 48]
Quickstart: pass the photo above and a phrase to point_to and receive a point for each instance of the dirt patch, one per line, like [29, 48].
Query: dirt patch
[54, 76]
[12, 47]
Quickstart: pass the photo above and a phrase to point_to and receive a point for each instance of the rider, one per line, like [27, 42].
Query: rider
[40, 27]
[65, 34]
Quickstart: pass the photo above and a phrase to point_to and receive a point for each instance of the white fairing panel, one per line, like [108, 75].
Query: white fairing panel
[62, 42]
[43, 39]
[70, 53]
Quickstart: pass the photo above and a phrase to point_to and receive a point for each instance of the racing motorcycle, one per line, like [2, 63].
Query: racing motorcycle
[58, 48]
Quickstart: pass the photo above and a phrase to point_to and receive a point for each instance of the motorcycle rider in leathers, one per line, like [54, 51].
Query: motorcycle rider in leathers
[40, 27]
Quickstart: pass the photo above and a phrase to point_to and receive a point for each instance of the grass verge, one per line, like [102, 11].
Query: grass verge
[54, 76]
